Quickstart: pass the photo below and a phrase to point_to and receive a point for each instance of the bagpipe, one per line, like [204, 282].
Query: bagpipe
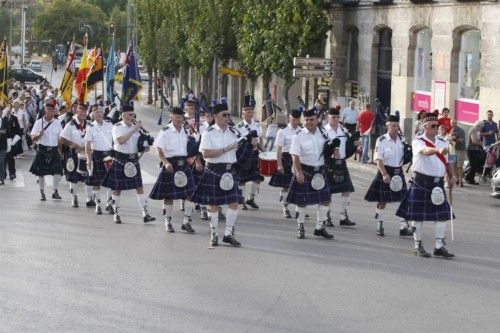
[245, 147]
[145, 139]
[407, 151]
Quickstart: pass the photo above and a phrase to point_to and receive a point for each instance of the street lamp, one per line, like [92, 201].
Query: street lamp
[4, 4]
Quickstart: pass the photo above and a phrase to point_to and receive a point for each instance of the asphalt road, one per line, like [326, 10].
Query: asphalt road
[67, 270]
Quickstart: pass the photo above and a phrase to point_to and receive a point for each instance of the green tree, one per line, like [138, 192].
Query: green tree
[119, 18]
[107, 6]
[272, 32]
[60, 21]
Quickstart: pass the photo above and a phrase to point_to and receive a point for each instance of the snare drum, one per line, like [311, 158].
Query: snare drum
[268, 163]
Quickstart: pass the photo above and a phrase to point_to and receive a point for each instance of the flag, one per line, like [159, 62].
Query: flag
[69, 75]
[4, 74]
[131, 79]
[110, 73]
[81, 76]
[96, 71]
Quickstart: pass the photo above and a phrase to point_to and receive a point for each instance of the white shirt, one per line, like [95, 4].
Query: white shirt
[50, 137]
[130, 146]
[349, 116]
[22, 117]
[338, 133]
[172, 142]
[309, 147]
[100, 136]
[285, 136]
[215, 138]
[390, 152]
[271, 131]
[428, 165]
[203, 127]
[244, 127]
[73, 133]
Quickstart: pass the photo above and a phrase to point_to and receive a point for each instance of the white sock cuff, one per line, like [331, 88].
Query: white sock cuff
[231, 215]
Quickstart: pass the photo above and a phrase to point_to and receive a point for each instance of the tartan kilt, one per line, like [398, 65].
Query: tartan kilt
[76, 175]
[208, 191]
[47, 161]
[284, 179]
[116, 180]
[303, 194]
[381, 192]
[339, 170]
[250, 171]
[165, 188]
[417, 205]
[99, 171]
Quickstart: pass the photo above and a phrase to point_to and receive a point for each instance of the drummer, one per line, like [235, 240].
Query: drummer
[283, 175]
[389, 184]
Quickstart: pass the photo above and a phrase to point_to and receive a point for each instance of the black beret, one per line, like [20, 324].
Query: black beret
[295, 113]
[128, 108]
[309, 113]
[219, 108]
[177, 110]
[334, 112]
[393, 118]
[431, 116]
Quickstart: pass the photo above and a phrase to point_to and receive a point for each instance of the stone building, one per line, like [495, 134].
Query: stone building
[418, 55]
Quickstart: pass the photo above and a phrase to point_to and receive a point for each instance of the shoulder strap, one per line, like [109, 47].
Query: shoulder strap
[438, 155]
[323, 133]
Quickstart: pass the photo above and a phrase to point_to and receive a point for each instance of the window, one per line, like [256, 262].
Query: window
[469, 65]
[352, 55]
[385, 51]
[423, 61]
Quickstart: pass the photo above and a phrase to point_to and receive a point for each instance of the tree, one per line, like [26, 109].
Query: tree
[119, 18]
[107, 6]
[61, 20]
[272, 32]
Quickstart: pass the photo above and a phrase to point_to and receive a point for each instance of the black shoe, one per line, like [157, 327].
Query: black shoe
[187, 228]
[98, 210]
[12, 177]
[117, 219]
[197, 208]
[110, 209]
[169, 227]
[405, 232]
[251, 203]
[148, 218]
[328, 221]
[286, 213]
[230, 239]
[443, 252]
[74, 202]
[204, 215]
[380, 231]
[322, 233]
[2, 182]
[222, 217]
[420, 252]
[43, 197]
[214, 239]
[346, 222]
[56, 196]
[91, 203]
[301, 234]
[244, 206]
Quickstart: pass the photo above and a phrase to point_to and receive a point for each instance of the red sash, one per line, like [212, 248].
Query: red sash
[438, 155]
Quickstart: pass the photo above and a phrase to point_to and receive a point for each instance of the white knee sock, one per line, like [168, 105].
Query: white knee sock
[231, 215]
[88, 192]
[116, 202]
[188, 210]
[321, 216]
[214, 220]
[379, 213]
[417, 235]
[72, 189]
[403, 224]
[243, 189]
[141, 199]
[56, 180]
[97, 194]
[167, 212]
[439, 230]
[254, 190]
[301, 214]
[41, 183]
[344, 204]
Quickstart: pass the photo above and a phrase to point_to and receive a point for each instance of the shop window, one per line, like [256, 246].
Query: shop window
[352, 55]
[469, 65]
[423, 61]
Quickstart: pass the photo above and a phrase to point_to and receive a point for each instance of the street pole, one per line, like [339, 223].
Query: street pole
[10, 25]
[23, 32]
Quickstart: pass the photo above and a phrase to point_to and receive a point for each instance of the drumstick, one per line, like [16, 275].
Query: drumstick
[451, 214]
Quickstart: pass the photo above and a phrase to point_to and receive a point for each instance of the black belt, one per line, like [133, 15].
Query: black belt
[220, 167]
[312, 169]
[45, 148]
[125, 157]
[100, 152]
[422, 179]
[179, 161]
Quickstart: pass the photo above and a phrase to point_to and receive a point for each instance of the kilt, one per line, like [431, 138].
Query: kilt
[250, 171]
[303, 194]
[47, 161]
[80, 172]
[165, 188]
[339, 171]
[381, 192]
[283, 180]
[417, 205]
[208, 191]
[99, 170]
[115, 178]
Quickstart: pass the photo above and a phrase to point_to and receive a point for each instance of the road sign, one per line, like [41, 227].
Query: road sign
[229, 71]
[299, 72]
[313, 62]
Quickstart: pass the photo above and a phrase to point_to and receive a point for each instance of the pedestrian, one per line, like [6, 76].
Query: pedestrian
[271, 132]
[445, 121]
[489, 133]
[475, 152]
[419, 124]
[364, 126]
[125, 171]
[250, 171]
[47, 161]
[349, 116]
[338, 173]
[98, 146]
[309, 186]
[283, 175]
[14, 147]
[378, 127]
[219, 183]
[389, 184]
[458, 138]
[426, 198]
[175, 180]
[3, 149]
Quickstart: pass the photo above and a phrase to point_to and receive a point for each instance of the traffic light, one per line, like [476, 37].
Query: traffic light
[111, 28]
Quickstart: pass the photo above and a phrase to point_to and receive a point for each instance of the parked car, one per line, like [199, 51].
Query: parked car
[35, 65]
[26, 75]
[495, 184]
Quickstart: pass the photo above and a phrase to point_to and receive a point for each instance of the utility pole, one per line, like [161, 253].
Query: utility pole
[23, 33]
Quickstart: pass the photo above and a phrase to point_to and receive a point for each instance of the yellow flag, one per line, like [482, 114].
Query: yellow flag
[69, 76]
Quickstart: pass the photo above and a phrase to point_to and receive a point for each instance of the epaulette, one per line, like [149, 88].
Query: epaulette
[166, 128]
[118, 123]
[240, 124]
[90, 124]
[256, 121]
[441, 139]
[381, 138]
[107, 120]
[210, 128]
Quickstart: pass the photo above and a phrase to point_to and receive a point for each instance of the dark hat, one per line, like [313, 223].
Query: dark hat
[247, 106]
[178, 111]
[309, 113]
[393, 118]
[50, 103]
[295, 113]
[334, 111]
[219, 108]
[128, 108]
[431, 116]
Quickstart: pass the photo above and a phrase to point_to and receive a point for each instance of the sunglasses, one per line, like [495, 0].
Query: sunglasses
[226, 115]
[334, 116]
[434, 126]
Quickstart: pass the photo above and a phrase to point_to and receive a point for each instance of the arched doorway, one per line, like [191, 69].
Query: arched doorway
[384, 67]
